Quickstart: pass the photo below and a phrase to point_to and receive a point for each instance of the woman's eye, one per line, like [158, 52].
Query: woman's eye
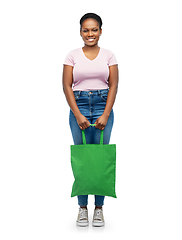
[94, 30]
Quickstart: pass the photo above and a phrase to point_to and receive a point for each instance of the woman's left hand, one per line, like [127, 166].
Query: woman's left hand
[101, 122]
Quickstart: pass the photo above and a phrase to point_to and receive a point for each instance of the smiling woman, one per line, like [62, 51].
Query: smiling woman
[90, 80]
[90, 32]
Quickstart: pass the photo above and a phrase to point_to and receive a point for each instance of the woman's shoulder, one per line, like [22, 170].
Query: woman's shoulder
[106, 50]
[110, 56]
[71, 57]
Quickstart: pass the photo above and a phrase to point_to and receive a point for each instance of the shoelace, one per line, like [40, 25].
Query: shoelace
[98, 214]
[83, 214]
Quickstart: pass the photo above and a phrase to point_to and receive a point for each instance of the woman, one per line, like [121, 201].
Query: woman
[90, 80]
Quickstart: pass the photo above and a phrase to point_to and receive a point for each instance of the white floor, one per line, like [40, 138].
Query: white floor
[125, 218]
[132, 219]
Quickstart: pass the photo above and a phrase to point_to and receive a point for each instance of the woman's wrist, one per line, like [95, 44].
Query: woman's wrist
[77, 113]
[106, 114]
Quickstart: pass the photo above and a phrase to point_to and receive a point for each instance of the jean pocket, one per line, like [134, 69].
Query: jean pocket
[104, 96]
[77, 96]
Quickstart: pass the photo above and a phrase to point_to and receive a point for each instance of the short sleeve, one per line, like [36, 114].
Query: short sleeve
[69, 60]
[112, 59]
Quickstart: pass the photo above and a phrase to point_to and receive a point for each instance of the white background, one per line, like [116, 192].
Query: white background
[35, 171]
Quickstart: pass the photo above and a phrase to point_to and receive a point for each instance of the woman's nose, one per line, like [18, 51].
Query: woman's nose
[90, 33]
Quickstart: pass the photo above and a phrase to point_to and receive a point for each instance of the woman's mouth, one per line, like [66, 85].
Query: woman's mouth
[90, 39]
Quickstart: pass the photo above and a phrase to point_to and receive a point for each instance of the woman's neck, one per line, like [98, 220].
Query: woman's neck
[94, 48]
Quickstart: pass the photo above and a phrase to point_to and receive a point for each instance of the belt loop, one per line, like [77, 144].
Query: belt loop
[80, 93]
[99, 92]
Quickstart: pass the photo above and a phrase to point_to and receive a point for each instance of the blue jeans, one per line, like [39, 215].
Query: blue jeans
[91, 104]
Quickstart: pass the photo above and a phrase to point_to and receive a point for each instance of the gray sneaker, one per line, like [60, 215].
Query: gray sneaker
[98, 219]
[82, 220]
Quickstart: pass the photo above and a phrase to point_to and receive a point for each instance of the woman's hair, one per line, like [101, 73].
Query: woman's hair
[91, 15]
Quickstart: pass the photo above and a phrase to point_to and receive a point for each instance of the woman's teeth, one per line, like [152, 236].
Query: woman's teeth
[91, 39]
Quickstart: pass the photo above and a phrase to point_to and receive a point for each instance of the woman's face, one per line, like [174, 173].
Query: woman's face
[90, 32]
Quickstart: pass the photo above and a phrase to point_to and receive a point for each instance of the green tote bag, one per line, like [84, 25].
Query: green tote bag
[94, 168]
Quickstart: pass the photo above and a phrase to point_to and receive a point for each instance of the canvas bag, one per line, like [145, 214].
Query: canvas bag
[94, 168]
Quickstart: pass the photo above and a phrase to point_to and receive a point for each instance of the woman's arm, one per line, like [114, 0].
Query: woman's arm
[67, 80]
[113, 85]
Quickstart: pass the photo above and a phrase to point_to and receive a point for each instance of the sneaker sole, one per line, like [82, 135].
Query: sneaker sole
[82, 224]
[98, 224]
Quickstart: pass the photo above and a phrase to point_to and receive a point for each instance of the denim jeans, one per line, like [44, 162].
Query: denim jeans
[91, 104]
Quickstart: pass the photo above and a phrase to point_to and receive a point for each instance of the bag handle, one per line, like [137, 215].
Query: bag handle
[101, 135]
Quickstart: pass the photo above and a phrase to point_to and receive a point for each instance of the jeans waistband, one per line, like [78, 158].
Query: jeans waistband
[91, 92]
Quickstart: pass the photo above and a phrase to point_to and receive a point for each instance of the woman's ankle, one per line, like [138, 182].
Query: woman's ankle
[98, 207]
[83, 207]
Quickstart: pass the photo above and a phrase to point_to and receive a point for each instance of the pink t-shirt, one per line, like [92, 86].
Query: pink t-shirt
[90, 74]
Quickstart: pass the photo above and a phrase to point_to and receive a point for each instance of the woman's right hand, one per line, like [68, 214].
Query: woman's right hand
[82, 121]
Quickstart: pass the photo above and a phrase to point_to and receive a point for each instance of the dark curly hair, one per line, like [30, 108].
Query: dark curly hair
[91, 15]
